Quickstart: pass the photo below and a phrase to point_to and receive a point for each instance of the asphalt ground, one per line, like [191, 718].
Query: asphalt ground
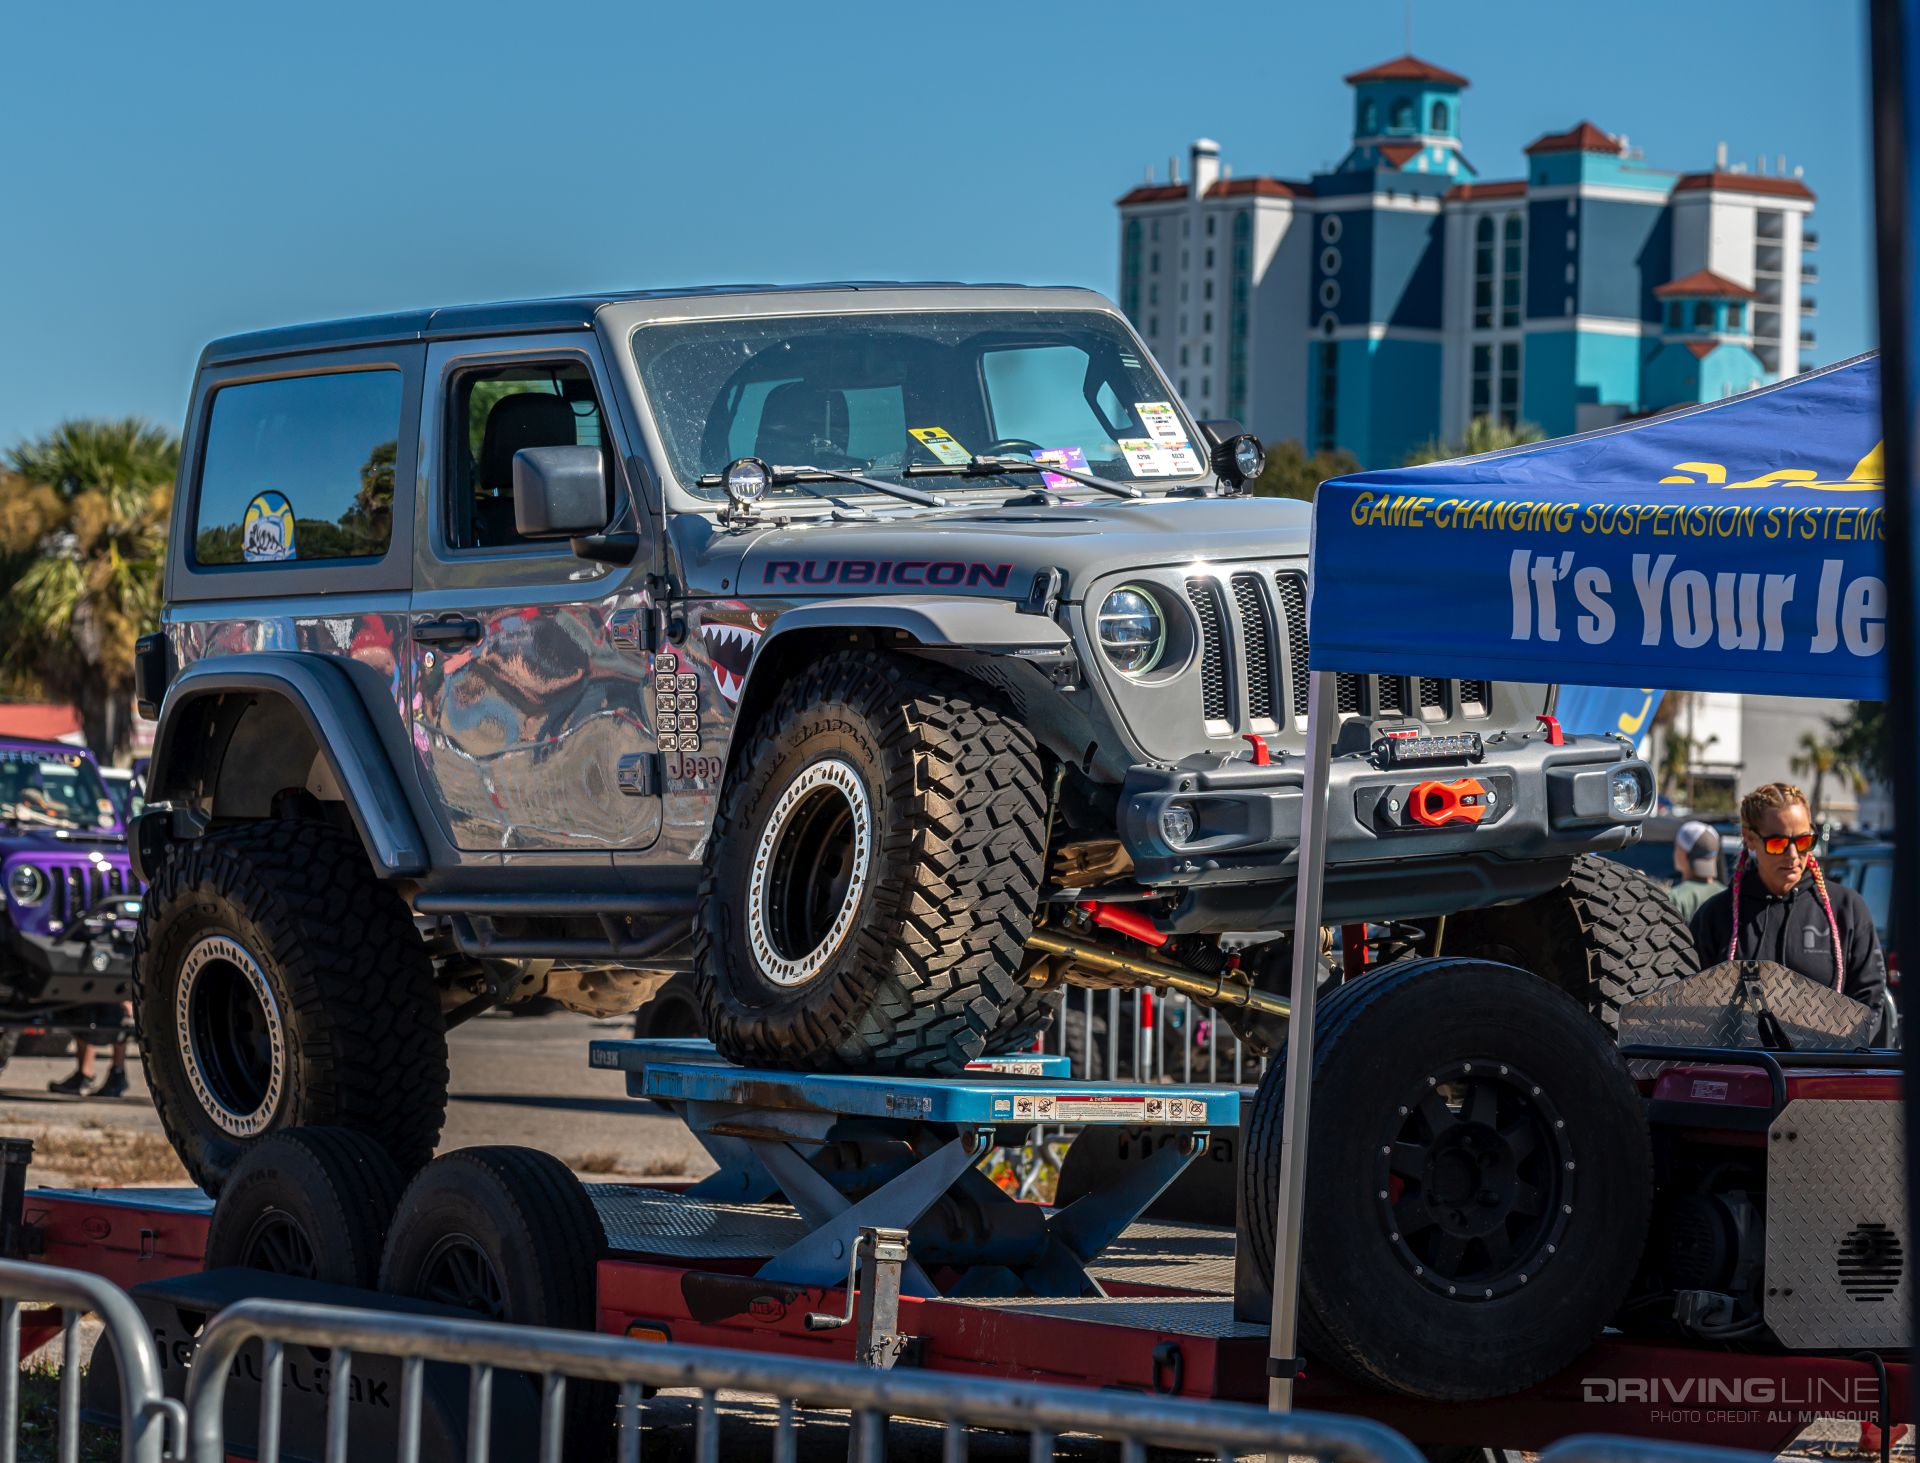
[516, 1079]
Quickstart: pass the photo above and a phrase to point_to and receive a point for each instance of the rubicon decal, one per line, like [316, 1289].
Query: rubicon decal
[945, 573]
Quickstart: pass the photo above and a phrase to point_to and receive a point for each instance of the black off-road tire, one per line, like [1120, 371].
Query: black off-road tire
[922, 977]
[1570, 1167]
[672, 1011]
[1607, 936]
[510, 1233]
[354, 1036]
[311, 1202]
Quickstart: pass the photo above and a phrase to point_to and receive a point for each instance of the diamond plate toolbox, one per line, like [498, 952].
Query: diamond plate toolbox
[1837, 1271]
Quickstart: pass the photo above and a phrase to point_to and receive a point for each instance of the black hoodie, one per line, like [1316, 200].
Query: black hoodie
[1791, 930]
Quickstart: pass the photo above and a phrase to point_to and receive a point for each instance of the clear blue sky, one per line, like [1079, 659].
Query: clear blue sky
[173, 173]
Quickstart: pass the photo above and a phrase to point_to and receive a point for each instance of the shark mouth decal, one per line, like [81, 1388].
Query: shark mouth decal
[730, 650]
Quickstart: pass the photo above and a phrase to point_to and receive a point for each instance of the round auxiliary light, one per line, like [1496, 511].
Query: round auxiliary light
[1628, 792]
[1131, 630]
[747, 480]
[1176, 824]
[27, 884]
[1249, 458]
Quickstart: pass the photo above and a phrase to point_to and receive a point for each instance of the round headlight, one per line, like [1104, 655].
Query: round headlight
[1627, 791]
[1131, 630]
[27, 884]
[747, 479]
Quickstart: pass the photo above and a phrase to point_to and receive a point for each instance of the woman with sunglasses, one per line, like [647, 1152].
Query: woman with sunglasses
[1781, 908]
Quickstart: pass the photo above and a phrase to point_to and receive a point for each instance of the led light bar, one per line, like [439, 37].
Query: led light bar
[1414, 751]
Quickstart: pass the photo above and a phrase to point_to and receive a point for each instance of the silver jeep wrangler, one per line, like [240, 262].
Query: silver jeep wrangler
[884, 657]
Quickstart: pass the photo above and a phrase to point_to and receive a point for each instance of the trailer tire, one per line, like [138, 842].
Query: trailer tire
[512, 1234]
[277, 983]
[924, 803]
[309, 1202]
[1476, 1248]
[1607, 936]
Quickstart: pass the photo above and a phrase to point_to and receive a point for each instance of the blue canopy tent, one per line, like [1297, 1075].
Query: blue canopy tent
[1731, 546]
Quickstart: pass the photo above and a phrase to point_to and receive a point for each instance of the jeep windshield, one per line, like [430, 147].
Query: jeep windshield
[54, 789]
[891, 395]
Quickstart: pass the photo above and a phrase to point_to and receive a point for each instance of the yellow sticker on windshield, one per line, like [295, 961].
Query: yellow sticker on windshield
[939, 441]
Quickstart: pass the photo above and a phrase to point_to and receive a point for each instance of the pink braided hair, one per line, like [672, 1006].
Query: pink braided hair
[1820, 888]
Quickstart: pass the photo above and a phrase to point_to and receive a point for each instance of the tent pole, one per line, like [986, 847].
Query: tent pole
[1282, 1351]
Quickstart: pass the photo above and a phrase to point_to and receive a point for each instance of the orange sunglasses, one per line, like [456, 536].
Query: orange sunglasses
[1801, 843]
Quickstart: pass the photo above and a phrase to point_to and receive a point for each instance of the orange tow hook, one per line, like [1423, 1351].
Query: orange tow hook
[1436, 804]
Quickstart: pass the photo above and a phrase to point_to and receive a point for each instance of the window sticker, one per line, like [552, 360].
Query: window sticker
[1071, 457]
[1182, 460]
[1144, 458]
[266, 532]
[1162, 422]
[939, 441]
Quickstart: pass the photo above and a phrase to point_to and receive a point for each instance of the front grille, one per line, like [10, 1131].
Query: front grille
[1256, 624]
[1253, 661]
[76, 888]
[1213, 655]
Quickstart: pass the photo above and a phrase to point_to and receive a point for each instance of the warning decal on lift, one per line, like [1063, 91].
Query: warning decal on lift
[1099, 1107]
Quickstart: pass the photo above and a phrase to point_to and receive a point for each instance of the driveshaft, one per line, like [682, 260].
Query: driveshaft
[1228, 988]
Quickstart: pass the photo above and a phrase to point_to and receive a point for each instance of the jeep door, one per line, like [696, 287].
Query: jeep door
[530, 715]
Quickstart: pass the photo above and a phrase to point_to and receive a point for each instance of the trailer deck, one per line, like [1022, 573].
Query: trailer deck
[1096, 1293]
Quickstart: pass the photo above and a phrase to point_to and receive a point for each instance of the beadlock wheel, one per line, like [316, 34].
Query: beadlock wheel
[232, 1037]
[809, 870]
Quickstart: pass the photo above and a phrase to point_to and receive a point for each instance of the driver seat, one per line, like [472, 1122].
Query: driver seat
[799, 423]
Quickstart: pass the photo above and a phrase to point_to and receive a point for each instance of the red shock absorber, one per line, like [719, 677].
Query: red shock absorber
[1124, 922]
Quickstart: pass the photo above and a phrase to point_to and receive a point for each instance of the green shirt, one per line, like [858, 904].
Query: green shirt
[1693, 893]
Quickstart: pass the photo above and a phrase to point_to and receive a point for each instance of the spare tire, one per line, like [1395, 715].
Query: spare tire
[1607, 936]
[1479, 1183]
[312, 1202]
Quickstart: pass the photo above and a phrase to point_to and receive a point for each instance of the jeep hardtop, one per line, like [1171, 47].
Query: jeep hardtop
[885, 656]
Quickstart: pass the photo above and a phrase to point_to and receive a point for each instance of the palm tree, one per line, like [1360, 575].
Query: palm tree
[1820, 760]
[83, 521]
[1484, 434]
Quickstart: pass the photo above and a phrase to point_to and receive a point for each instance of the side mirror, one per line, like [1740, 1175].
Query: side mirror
[559, 492]
[1236, 455]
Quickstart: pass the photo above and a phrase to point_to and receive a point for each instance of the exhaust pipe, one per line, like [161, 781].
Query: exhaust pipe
[1228, 989]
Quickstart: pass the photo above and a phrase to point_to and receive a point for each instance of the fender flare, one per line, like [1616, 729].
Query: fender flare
[963, 622]
[324, 698]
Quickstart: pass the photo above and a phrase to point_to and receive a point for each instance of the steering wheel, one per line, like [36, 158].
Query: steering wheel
[1012, 447]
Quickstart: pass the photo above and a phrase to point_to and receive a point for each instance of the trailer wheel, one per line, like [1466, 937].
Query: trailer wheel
[277, 983]
[1480, 1185]
[311, 1202]
[512, 1234]
[873, 874]
[1607, 936]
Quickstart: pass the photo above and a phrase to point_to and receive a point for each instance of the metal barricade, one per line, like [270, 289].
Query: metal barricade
[871, 1397]
[145, 1409]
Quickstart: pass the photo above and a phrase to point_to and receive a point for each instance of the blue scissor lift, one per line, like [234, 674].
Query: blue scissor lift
[853, 1154]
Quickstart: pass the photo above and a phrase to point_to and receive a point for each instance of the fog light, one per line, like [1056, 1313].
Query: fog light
[99, 960]
[1628, 792]
[1176, 823]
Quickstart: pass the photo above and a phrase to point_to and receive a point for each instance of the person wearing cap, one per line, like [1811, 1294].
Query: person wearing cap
[1696, 859]
[1781, 908]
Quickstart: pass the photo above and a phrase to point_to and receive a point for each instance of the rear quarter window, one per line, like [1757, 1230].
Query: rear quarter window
[299, 469]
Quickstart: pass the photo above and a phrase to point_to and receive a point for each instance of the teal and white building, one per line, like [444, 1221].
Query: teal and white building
[1405, 292]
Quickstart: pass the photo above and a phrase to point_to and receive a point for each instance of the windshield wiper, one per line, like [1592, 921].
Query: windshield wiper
[994, 466]
[797, 477]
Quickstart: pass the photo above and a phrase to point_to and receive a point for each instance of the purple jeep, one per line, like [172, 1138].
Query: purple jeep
[71, 901]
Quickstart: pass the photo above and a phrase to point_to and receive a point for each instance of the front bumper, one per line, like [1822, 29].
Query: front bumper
[90, 961]
[1537, 808]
